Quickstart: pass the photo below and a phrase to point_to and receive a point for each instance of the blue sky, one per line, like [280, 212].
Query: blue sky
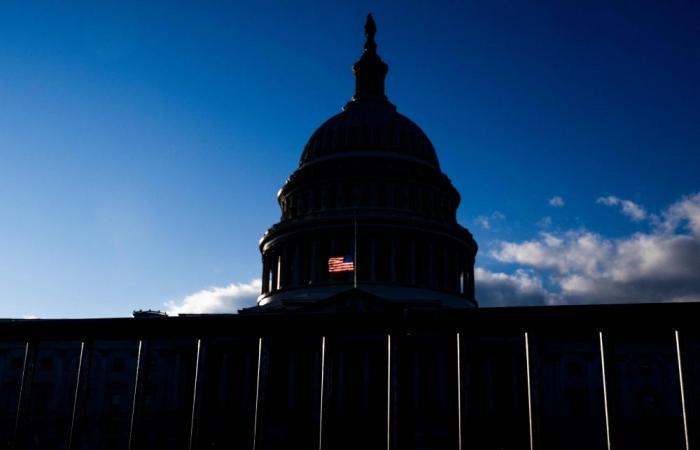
[142, 145]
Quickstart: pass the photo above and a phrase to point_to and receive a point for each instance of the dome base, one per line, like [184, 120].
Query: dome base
[390, 294]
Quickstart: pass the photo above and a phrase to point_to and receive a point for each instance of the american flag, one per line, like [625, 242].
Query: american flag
[341, 264]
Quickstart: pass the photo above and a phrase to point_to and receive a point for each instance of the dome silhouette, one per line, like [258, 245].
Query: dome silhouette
[368, 218]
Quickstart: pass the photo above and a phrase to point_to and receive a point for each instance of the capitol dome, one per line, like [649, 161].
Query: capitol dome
[369, 129]
[368, 196]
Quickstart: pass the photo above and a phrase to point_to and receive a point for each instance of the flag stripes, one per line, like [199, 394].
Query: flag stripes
[341, 264]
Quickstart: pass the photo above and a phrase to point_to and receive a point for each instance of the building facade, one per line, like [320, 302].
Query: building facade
[578, 377]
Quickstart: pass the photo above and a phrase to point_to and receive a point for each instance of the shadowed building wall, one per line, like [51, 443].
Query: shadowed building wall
[559, 377]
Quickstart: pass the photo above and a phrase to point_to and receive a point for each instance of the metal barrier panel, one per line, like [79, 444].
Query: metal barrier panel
[226, 399]
[494, 392]
[425, 406]
[163, 406]
[103, 412]
[11, 367]
[290, 390]
[46, 420]
[644, 390]
[567, 389]
[356, 392]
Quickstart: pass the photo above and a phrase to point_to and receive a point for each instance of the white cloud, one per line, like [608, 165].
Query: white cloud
[685, 212]
[483, 222]
[486, 222]
[217, 300]
[584, 266]
[629, 208]
[523, 288]
[567, 252]
[556, 201]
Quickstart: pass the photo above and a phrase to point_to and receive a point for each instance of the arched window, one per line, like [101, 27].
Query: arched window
[316, 199]
[439, 265]
[323, 253]
[304, 263]
[421, 262]
[411, 194]
[402, 259]
[363, 258]
[381, 194]
[381, 259]
[364, 194]
[303, 201]
[331, 195]
[347, 195]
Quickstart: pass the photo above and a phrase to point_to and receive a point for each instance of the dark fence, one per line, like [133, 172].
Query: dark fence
[582, 377]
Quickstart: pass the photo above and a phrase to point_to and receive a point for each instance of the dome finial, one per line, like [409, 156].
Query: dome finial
[370, 31]
[369, 71]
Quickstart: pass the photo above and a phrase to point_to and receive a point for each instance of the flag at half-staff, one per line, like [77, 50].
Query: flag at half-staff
[341, 264]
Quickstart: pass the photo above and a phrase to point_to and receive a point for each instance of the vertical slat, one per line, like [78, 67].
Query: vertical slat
[388, 392]
[323, 377]
[195, 389]
[529, 391]
[24, 392]
[605, 389]
[80, 384]
[682, 389]
[459, 394]
[257, 395]
[138, 388]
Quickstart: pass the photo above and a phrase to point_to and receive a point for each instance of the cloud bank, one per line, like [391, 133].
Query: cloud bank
[217, 300]
[558, 267]
[581, 266]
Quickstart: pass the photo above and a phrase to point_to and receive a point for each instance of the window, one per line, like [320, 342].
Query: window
[402, 256]
[381, 258]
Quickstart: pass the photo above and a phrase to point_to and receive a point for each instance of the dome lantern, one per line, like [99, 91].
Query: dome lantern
[370, 71]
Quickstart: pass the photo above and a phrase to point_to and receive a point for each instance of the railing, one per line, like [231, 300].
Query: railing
[583, 377]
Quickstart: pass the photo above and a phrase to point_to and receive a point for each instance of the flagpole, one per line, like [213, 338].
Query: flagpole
[354, 257]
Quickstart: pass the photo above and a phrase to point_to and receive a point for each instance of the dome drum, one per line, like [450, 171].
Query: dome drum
[387, 252]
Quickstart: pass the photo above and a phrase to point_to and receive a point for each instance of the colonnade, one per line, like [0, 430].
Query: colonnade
[417, 260]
